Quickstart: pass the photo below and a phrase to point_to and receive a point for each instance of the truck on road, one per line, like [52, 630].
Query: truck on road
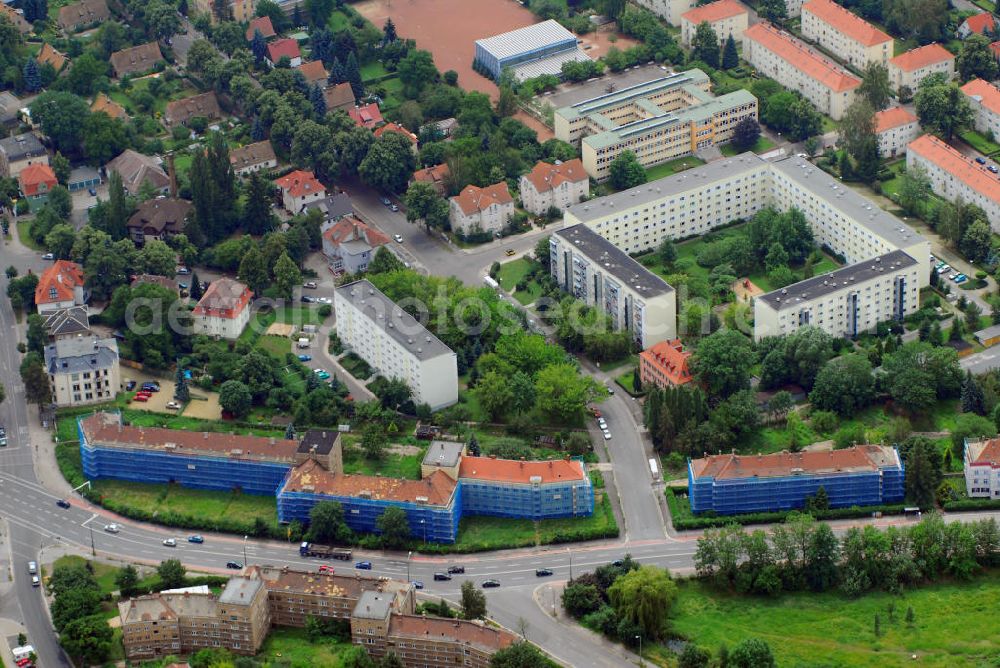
[307, 549]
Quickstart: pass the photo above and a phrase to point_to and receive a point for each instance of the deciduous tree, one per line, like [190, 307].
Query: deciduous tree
[394, 527]
[645, 597]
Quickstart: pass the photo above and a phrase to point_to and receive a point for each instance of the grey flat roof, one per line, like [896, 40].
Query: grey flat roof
[240, 591]
[400, 325]
[988, 333]
[85, 353]
[665, 187]
[853, 205]
[84, 173]
[614, 261]
[443, 453]
[373, 605]
[623, 95]
[825, 284]
[527, 38]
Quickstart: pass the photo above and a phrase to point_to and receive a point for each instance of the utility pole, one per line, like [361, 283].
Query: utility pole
[408, 556]
[245, 550]
[93, 550]
[639, 638]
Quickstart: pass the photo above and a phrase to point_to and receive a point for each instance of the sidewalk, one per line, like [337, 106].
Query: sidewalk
[43, 452]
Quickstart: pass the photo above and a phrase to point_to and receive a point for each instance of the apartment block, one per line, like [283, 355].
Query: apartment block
[982, 468]
[595, 271]
[728, 18]
[845, 34]
[82, 370]
[658, 121]
[895, 128]
[669, 10]
[476, 209]
[553, 185]
[845, 302]
[224, 310]
[910, 68]
[62, 285]
[984, 98]
[665, 365]
[395, 344]
[955, 176]
[19, 152]
[864, 475]
[787, 60]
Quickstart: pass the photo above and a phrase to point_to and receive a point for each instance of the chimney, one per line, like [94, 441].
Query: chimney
[172, 173]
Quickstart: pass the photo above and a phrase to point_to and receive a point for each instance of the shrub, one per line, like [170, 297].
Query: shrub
[824, 422]
[850, 435]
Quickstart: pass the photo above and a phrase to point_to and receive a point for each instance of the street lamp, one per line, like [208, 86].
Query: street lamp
[245, 550]
[408, 556]
[93, 550]
[639, 638]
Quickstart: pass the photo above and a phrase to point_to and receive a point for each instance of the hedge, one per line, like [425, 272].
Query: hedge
[972, 504]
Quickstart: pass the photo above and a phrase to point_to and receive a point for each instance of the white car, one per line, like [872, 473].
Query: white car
[173, 405]
[32, 567]
[398, 238]
[112, 528]
[602, 424]
[170, 542]
[607, 435]
[309, 284]
[35, 582]
[324, 300]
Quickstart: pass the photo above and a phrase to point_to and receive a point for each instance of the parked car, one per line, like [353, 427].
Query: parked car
[961, 279]
[170, 542]
[417, 584]
[607, 435]
[452, 570]
[142, 398]
[151, 387]
[543, 572]
[48, 256]
[3, 437]
[324, 300]
[441, 577]
[325, 569]
[509, 252]
[182, 286]
[992, 168]
[363, 565]
[322, 374]
[490, 584]
[173, 405]
[183, 270]
[129, 385]
[981, 160]
[32, 567]
[398, 238]
[35, 582]
[235, 565]
[63, 503]
[305, 358]
[306, 299]
[309, 284]
[393, 207]
[196, 539]
[112, 528]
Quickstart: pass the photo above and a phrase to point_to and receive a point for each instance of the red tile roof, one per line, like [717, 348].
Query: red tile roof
[224, 298]
[986, 93]
[798, 56]
[980, 23]
[922, 56]
[989, 455]
[436, 489]
[964, 169]
[34, 176]
[106, 429]
[473, 199]
[546, 177]
[283, 48]
[313, 71]
[892, 118]
[438, 629]
[509, 470]
[670, 359]
[845, 22]
[435, 175]
[58, 282]
[367, 116]
[49, 55]
[299, 183]
[349, 227]
[264, 25]
[398, 129]
[860, 458]
[714, 11]
[104, 103]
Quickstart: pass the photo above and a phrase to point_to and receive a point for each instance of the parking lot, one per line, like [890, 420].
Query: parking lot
[204, 405]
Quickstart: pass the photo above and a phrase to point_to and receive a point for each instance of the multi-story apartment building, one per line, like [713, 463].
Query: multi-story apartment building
[535, 489]
[728, 18]
[895, 128]
[665, 365]
[984, 98]
[982, 468]
[224, 310]
[845, 302]
[298, 189]
[954, 176]
[791, 63]
[558, 185]
[61, 286]
[658, 120]
[82, 370]
[20, 151]
[598, 273]
[863, 475]
[478, 209]
[395, 344]
[908, 69]
[845, 34]
[670, 10]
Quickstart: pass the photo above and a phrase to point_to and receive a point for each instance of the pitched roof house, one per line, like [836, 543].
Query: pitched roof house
[80, 15]
[224, 310]
[105, 104]
[264, 25]
[979, 24]
[665, 364]
[10, 109]
[481, 209]
[35, 182]
[298, 188]
[284, 48]
[436, 175]
[350, 244]
[135, 168]
[16, 18]
[47, 55]
[339, 96]
[313, 71]
[18, 152]
[136, 60]
[252, 158]
[367, 116]
[61, 286]
[558, 185]
[333, 207]
[67, 322]
[180, 112]
[159, 218]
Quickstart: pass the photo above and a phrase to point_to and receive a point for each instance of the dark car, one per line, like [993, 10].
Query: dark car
[63, 503]
[617, 563]
[129, 386]
[456, 569]
[364, 565]
[543, 572]
[151, 387]
[196, 539]
[306, 299]
[235, 565]
[490, 584]
[92, 191]
[981, 160]
[417, 584]
[442, 577]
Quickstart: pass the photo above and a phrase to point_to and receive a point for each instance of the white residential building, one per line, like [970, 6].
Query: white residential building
[844, 302]
[728, 18]
[895, 128]
[594, 271]
[224, 310]
[558, 185]
[984, 98]
[955, 176]
[982, 469]
[669, 10]
[845, 34]
[481, 209]
[910, 68]
[395, 344]
[298, 189]
[82, 370]
[791, 63]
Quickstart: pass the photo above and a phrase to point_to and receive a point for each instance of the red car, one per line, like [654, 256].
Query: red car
[326, 569]
[24, 662]
[142, 397]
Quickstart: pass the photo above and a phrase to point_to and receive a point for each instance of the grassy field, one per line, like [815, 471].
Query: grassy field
[954, 625]
[762, 145]
[24, 235]
[512, 273]
[373, 70]
[175, 90]
[292, 648]
[390, 466]
[338, 21]
[979, 142]
[672, 167]
[278, 346]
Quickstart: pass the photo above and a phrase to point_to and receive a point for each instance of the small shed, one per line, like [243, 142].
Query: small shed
[989, 336]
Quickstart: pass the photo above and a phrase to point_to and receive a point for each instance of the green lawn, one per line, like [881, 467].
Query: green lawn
[979, 142]
[168, 93]
[23, 234]
[292, 648]
[672, 167]
[339, 21]
[390, 466]
[512, 273]
[762, 145]
[278, 346]
[954, 625]
[393, 92]
[355, 366]
[373, 70]
[209, 505]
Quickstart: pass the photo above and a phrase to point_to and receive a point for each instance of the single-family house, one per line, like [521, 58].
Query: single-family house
[180, 112]
[284, 48]
[253, 158]
[481, 209]
[436, 175]
[339, 97]
[47, 55]
[103, 103]
[263, 25]
[665, 364]
[18, 152]
[159, 218]
[136, 60]
[10, 109]
[314, 72]
[977, 24]
[61, 286]
[367, 116]
[35, 183]
[398, 129]
[84, 14]
[224, 310]
[136, 168]
[298, 189]
[16, 18]
[153, 279]
[350, 245]
[333, 207]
